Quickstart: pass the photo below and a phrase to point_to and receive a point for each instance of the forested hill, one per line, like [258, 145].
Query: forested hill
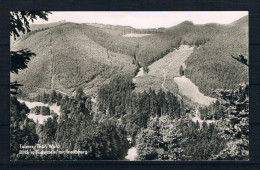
[214, 65]
[70, 54]
[66, 57]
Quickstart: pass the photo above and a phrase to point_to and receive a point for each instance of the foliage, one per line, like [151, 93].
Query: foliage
[181, 71]
[45, 110]
[22, 129]
[42, 110]
[235, 125]
[47, 131]
[117, 100]
[161, 140]
[103, 140]
[75, 129]
[146, 69]
[67, 58]
[14, 88]
[156, 121]
[172, 139]
[113, 96]
[214, 111]
[20, 59]
[201, 143]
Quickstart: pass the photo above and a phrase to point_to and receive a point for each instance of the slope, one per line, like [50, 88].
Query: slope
[66, 58]
[69, 54]
[212, 66]
[162, 72]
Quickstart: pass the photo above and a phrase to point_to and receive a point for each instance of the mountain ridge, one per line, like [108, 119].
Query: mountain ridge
[84, 52]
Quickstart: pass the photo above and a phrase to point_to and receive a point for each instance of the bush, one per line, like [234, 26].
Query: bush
[45, 110]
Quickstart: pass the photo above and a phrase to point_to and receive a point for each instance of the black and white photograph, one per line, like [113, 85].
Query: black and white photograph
[129, 85]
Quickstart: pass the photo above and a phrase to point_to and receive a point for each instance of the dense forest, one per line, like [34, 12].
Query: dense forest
[158, 124]
[75, 129]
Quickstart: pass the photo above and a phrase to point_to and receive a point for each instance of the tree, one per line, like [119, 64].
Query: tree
[53, 97]
[79, 93]
[20, 21]
[181, 71]
[48, 130]
[20, 59]
[45, 110]
[22, 129]
[237, 131]
[159, 141]
[59, 98]
[145, 68]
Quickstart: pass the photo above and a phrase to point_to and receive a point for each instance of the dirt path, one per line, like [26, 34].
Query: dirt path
[61, 92]
[131, 154]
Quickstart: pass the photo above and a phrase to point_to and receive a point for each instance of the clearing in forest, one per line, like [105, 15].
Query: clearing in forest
[162, 72]
[189, 89]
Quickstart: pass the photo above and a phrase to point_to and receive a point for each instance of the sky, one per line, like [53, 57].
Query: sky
[152, 19]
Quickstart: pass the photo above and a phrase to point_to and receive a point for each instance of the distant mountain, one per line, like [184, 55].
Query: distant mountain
[121, 30]
[70, 54]
[34, 27]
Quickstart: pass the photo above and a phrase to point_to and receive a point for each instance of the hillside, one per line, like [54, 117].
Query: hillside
[70, 54]
[151, 48]
[212, 66]
[66, 58]
[34, 28]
